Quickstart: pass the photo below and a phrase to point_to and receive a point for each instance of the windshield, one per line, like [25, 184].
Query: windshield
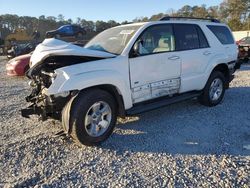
[113, 40]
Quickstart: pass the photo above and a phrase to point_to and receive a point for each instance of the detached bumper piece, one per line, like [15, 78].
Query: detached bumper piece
[45, 107]
[33, 110]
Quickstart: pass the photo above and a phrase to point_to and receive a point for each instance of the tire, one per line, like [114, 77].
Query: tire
[214, 90]
[91, 116]
[66, 115]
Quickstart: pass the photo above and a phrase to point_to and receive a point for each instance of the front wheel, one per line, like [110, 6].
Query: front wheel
[93, 117]
[214, 90]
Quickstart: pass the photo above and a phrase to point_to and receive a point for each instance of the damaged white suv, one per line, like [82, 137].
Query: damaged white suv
[127, 70]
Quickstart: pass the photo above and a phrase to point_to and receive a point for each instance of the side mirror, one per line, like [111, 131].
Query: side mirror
[136, 48]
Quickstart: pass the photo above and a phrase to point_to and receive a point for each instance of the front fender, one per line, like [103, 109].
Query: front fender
[65, 82]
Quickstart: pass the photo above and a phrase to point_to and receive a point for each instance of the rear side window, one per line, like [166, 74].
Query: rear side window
[222, 33]
[189, 36]
[186, 37]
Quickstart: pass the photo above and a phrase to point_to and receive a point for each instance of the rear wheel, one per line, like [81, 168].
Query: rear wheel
[214, 90]
[92, 117]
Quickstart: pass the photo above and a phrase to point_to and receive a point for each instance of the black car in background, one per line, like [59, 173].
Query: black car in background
[66, 31]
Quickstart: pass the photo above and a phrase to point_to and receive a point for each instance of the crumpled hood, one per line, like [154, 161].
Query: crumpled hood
[55, 47]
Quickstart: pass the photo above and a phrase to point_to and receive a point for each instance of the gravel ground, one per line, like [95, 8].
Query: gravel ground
[182, 145]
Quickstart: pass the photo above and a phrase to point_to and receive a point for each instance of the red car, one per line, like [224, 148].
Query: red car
[244, 41]
[244, 49]
[18, 65]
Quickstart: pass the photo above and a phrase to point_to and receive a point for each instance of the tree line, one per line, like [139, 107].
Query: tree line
[235, 13]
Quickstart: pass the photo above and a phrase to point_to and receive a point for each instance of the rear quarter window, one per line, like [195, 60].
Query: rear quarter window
[222, 33]
[202, 38]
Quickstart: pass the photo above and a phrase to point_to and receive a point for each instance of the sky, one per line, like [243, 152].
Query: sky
[118, 10]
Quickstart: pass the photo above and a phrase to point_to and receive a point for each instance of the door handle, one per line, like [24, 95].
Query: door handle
[207, 53]
[174, 57]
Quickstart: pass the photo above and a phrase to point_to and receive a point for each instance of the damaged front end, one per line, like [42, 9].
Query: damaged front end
[43, 104]
[46, 59]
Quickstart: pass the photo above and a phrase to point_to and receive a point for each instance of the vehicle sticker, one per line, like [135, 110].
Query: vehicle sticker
[126, 32]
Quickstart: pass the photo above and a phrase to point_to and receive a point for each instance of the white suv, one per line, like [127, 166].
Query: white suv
[129, 69]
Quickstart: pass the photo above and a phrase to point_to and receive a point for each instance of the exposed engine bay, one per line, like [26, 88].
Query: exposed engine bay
[42, 77]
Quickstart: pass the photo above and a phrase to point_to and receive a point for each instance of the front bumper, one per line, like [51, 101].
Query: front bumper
[45, 106]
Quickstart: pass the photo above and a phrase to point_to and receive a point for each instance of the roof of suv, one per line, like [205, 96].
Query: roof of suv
[179, 20]
[166, 18]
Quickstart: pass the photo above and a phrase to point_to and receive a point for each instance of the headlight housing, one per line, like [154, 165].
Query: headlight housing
[52, 75]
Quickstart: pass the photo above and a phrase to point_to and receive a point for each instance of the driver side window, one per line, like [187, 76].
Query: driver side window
[156, 39]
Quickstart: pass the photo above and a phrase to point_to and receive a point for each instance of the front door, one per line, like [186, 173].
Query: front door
[155, 68]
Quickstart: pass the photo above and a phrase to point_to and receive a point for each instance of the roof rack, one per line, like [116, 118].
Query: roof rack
[165, 18]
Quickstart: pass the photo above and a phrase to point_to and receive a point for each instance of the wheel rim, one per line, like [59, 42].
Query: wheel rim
[216, 89]
[98, 119]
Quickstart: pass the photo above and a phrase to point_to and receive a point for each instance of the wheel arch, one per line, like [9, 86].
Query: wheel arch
[111, 89]
[115, 92]
[223, 68]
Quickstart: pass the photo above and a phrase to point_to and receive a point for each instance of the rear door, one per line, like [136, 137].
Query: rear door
[195, 52]
[155, 70]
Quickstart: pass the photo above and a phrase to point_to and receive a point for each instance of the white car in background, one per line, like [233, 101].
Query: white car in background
[130, 69]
